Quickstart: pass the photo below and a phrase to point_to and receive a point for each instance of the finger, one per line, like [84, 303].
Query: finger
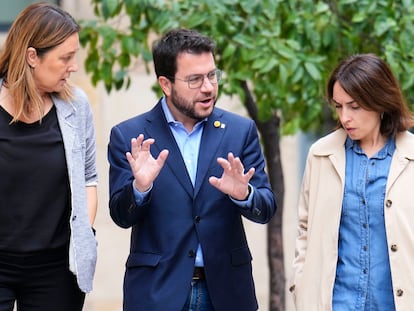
[146, 145]
[236, 164]
[162, 157]
[230, 158]
[250, 173]
[214, 181]
[136, 144]
[135, 147]
[140, 139]
[131, 160]
[224, 163]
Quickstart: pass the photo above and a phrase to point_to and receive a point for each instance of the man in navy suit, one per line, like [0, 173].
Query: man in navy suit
[182, 176]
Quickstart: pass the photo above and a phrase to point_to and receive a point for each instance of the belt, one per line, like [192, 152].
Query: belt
[198, 274]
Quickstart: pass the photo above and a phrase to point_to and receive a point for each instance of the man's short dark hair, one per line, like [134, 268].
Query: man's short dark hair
[174, 42]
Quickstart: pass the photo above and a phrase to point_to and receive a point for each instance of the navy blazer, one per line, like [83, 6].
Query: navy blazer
[167, 228]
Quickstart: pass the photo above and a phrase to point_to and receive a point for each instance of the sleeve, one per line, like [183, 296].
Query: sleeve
[262, 205]
[124, 208]
[91, 176]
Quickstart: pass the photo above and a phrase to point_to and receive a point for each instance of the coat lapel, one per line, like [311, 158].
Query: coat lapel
[332, 146]
[158, 128]
[213, 134]
[65, 113]
[403, 154]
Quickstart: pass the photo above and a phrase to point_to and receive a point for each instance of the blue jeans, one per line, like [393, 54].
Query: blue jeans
[198, 299]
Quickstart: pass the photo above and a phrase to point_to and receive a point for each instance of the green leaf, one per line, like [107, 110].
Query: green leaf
[313, 71]
[384, 26]
[229, 50]
[285, 51]
[124, 60]
[109, 7]
[298, 75]
[359, 17]
[283, 74]
[108, 35]
[270, 65]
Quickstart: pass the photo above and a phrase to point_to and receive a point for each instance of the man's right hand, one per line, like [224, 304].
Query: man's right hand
[143, 165]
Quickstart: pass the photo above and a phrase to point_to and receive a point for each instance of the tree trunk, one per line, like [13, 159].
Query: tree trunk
[269, 131]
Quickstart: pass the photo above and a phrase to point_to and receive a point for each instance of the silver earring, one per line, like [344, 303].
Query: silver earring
[382, 115]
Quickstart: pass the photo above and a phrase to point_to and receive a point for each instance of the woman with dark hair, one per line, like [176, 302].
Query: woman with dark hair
[354, 249]
[48, 196]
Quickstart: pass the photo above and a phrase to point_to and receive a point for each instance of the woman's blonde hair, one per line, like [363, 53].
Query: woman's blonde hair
[41, 26]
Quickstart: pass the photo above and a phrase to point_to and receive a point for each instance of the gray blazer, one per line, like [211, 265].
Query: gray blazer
[76, 124]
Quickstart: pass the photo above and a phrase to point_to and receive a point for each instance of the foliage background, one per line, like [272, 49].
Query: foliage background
[284, 48]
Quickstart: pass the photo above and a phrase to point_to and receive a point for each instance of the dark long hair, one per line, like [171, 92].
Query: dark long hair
[371, 83]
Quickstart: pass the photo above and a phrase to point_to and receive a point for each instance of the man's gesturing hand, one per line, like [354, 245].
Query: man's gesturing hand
[143, 165]
[234, 181]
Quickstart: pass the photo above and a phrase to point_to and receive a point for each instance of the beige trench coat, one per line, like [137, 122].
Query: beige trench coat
[319, 212]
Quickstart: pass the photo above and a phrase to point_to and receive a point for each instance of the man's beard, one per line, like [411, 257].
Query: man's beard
[187, 108]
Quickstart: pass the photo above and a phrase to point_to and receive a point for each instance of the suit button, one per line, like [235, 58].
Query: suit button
[388, 203]
[400, 292]
[197, 219]
[191, 254]
[394, 247]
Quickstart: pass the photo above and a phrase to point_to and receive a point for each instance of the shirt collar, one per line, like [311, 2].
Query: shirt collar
[388, 149]
[169, 116]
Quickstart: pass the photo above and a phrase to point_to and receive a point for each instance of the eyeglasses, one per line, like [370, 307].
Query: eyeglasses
[196, 81]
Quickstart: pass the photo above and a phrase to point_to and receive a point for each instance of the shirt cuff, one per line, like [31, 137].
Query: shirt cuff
[248, 202]
[139, 196]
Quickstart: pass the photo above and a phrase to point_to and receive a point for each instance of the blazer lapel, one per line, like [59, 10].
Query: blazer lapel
[213, 134]
[158, 128]
[65, 113]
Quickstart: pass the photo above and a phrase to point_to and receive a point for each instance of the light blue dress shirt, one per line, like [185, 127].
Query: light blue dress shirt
[363, 277]
[189, 145]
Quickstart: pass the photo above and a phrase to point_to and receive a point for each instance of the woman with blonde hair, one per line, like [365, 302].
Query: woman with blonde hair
[48, 196]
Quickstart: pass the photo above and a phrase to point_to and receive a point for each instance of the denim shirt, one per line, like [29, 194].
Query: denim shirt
[363, 277]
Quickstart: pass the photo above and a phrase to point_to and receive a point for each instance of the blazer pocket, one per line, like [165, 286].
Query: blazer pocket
[241, 256]
[143, 259]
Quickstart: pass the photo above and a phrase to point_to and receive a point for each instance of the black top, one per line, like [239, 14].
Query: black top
[34, 185]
